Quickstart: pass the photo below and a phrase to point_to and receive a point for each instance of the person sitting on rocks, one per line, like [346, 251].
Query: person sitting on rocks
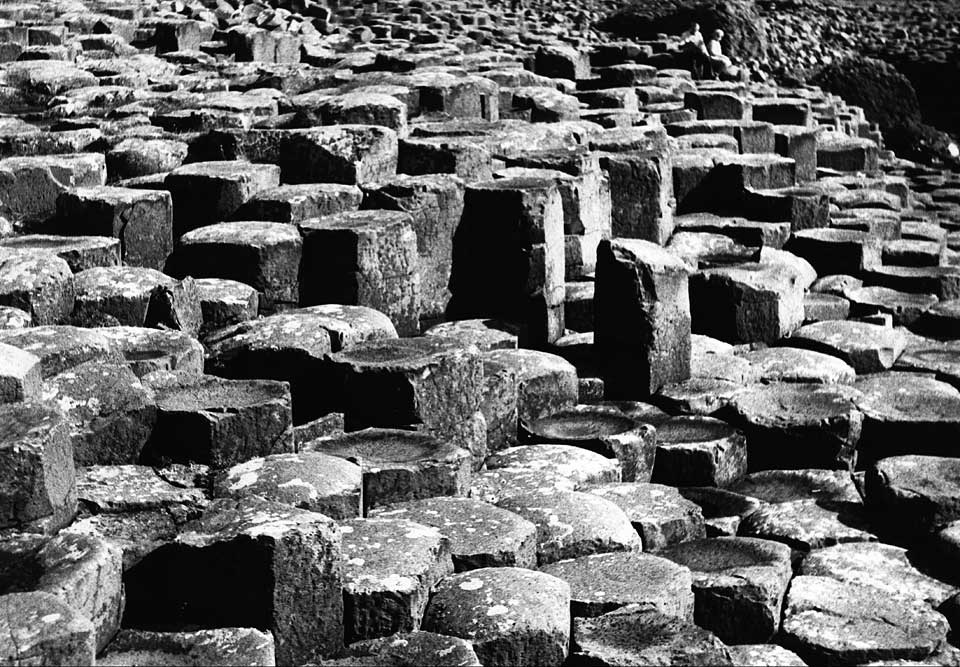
[691, 43]
[721, 66]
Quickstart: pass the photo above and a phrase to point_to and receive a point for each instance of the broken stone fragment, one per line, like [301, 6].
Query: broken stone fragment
[309, 480]
[133, 508]
[637, 635]
[511, 615]
[435, 206]
[247, 563]
[416, 648]
[546, 382]
[79, 252]
[138, 297]
[290, 347]
[213, 648]
[389, 568]
[518, 223]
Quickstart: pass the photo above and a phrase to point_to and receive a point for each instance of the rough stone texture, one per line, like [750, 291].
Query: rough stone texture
[432, 382]
[808, 524]
[545, 382]
[220, 422]
[738, 585]
[142, 221]
[699, 451]
[79, 252]
[868, 348]
[39, 283]
[220, 647]
[602, 430]
[846, 623]
[205, 192]
[435, 206]
[289, 563]
[365, 258]
[582, 467]
[20, 378]
[37, 462]
[642, 315]
[390, 567]
[907, 413]
[40, 629]
[884, 567]
[511, 616]
[480, 534]
[225, 302]
[787, 364]
[264, 255]
[915, 494]
[309, 480]
[572, 524]
[600, 583]
[137, 297]
[401, 465]
[416, 648]
[659, 513]
[794, 425]
[638, 635]
[110, 413]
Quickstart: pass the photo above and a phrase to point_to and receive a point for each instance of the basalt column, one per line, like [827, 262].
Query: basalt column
[642, 318]
[509, 257]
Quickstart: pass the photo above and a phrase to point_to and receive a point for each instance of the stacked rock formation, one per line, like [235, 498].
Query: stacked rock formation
[418, 333]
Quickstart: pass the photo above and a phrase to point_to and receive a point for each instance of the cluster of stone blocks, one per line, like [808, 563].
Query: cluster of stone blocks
[396, 334]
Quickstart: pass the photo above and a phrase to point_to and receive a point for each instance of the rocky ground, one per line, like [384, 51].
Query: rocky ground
[447, 333]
